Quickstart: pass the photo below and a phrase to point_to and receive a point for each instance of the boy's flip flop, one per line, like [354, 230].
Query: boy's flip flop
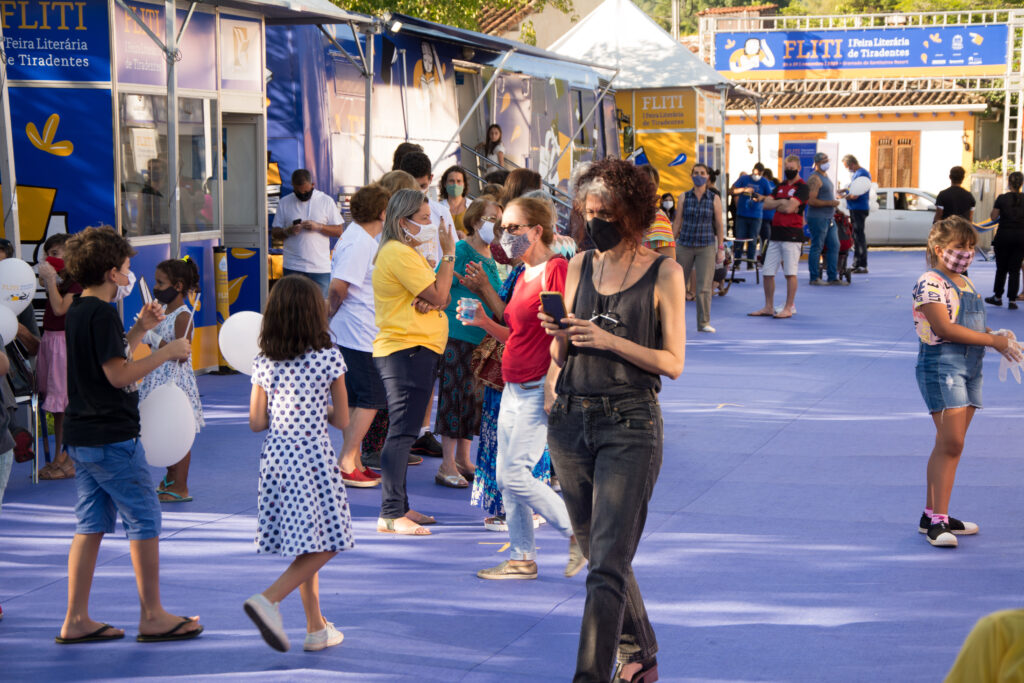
[760, 314]
[96, 636]
[173, 634]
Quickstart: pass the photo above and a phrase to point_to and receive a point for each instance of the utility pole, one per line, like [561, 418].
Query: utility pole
[675, 20]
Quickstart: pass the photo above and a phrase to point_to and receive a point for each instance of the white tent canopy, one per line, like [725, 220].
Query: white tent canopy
[619, 35]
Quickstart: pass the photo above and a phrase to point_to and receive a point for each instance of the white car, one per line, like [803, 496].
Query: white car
[899, 216]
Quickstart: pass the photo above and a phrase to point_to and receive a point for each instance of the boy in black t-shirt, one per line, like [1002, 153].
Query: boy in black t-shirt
[955, 200]
[101, 433]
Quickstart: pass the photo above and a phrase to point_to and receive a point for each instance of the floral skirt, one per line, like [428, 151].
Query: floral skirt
[459, 395]
[373, 442]
[485, 488]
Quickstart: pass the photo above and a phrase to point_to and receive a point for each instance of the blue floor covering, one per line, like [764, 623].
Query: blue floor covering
[781, 544]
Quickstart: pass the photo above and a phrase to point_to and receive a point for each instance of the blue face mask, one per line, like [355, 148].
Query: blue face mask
[699, 180]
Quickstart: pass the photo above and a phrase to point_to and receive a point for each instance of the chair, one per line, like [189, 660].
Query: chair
[736, 261]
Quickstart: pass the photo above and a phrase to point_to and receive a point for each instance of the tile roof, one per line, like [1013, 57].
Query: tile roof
[718, 11]
[843, 94]
[497, 21]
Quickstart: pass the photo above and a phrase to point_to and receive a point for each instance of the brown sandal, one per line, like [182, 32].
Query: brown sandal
[65, 470]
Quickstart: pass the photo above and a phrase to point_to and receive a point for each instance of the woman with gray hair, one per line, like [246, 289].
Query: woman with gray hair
[409, 299]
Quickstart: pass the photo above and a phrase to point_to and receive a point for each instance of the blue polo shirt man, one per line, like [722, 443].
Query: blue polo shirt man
[748, 211]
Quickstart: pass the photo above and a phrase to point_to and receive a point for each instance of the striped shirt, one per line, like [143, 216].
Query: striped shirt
[698, 226]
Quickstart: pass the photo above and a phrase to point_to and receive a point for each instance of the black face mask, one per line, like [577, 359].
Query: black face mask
[165, 296]
[791, 174]
[303, 196]
[605, 234]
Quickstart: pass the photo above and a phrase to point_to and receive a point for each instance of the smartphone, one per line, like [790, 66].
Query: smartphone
[554, 305]
[296, 221]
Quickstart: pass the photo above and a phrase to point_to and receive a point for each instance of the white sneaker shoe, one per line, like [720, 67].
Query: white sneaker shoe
[267, 618]
[706, 328]
[322, 639]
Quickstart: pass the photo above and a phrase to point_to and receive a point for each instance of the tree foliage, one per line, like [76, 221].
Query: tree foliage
[460, 13]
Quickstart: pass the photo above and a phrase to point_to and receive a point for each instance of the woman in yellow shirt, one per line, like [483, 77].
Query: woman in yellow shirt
[409, 299]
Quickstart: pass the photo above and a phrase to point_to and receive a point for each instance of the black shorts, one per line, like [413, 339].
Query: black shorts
[362, 381]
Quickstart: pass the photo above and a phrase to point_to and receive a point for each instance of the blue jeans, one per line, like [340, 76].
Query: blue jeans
[322, 280]
[607, 451]
[408, 377]
[745, 228]
[823, 230]
[522, 433]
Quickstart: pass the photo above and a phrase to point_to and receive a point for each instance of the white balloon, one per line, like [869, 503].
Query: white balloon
[17, 284]
[240, 340]
[860, 185]
[8, 324]
[167, 425]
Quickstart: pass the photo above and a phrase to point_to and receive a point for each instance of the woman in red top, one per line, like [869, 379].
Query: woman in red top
[528, 231]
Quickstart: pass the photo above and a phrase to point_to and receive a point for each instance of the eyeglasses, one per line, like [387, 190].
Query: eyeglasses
[609, 322]
[515, 228]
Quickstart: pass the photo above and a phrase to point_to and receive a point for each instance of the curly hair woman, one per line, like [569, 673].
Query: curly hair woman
[625, 329]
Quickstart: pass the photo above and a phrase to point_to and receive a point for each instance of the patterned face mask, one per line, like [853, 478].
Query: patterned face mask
[957, 260]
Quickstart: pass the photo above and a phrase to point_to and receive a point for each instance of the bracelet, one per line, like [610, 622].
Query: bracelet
[448, 258]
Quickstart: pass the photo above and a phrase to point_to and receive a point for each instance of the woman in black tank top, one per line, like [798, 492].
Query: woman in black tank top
[625, 329]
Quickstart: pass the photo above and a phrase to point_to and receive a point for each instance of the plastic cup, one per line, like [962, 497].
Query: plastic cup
[469, 307]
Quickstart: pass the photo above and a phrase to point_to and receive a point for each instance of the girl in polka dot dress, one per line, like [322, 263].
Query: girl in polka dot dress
[303, 509]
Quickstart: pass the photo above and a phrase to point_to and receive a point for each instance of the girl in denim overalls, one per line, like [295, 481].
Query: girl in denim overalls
[949, 316]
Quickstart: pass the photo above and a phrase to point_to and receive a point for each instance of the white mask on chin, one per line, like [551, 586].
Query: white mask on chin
[124, 290]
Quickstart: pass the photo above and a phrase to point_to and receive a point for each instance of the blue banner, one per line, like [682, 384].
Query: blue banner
[56, 41]
[969, 50]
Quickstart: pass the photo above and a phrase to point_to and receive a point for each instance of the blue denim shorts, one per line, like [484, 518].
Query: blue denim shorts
[114, 478]
[949, 375]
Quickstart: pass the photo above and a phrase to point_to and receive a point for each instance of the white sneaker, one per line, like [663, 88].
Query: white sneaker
[267, 617]
[706, 328]
[322, 639]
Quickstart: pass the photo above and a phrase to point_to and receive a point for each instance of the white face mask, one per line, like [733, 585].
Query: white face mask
[755, 176]
[486, 231]
[124, 290]
[426, 234]
[667, 205]
[825, 166]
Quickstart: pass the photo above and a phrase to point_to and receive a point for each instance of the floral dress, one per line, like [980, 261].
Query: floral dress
[303, 507]
[486, 493]
[172, 371]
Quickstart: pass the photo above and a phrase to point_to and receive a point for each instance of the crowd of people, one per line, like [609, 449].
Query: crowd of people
[504, 314]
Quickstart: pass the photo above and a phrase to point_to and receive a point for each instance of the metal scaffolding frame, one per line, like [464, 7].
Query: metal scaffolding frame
[1011, 84]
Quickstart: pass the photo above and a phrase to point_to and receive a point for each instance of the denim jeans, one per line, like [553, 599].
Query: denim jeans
[321, 280]
[522, 433]
[408, 376]
[745, 228]
[607, 451]
[860, 241]
[823, 231]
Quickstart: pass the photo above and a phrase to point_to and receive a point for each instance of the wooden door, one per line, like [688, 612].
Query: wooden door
[896, 157]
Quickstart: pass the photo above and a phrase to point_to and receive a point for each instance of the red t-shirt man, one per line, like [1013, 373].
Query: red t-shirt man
[528, 348]
[789, 227]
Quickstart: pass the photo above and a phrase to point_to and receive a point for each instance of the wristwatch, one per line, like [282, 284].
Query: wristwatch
[449, 258]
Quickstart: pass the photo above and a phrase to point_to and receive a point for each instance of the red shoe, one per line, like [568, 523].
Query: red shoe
[359, 480]
[371, 474]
